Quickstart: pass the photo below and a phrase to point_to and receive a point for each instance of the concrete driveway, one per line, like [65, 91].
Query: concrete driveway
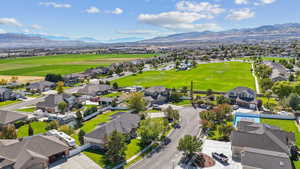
[210, 146]
[79, 161]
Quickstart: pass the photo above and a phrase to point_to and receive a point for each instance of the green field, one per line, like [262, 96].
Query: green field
[266, 58]
[216, 76]
[61, 64]
[38, 128]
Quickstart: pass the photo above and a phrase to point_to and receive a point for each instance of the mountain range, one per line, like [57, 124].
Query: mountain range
[290, 31]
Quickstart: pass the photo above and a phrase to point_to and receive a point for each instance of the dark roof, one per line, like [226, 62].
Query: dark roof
[3, 89]
[92, 89]
[8, 117]
[36, 147]
[262, 136]
[40, 85]
[264, 159]
[157, 89]
[123, 123]
[243, 89]
[53, 100]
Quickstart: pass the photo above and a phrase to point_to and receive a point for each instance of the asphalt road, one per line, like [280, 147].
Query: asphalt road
[168, 157]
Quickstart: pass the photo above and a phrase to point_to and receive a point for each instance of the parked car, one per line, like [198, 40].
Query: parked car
[220, 157]
[177, 126]
[156, 107]
[167, 141]
[235, 107]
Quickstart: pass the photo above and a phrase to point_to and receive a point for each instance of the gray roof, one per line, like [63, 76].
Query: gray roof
[264, 159]
[8, 117]
[92, 89]
[106, 99]
[3, 89]
[20, 152]
[158, 89]
[53, 100]
[124, 124]
[262, 136]
[40, 85]
[278, 71]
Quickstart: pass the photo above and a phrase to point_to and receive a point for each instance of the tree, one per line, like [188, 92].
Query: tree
[8, 132]
[116, 148]
[293, 101]
[222, 100]
[291, 78]
[209, 92]
[30, 130]
[79, 118]
[115, 85]
[266, 84]
[14, 79]
[172, 114]
[268, 94]
[150, 130]
[189, 145]
[60, 87]
[225, 130]
[54, 78]
[282, 89]
[137, 102]
[53, 125]
[66, 129]
[175, 96]
[3, 82]
[81, 135]
[62, 106]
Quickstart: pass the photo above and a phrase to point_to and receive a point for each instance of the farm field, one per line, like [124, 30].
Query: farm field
[216, 76]
[61, 64]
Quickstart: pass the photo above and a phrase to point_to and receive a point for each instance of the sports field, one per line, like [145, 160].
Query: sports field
[61, 64]
[216, 76]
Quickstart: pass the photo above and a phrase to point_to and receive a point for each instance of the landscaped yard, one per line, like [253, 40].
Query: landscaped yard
[61, 64]
[38, 127]
[6, 103]
[216, 76]
[287, 125]
[28, 110]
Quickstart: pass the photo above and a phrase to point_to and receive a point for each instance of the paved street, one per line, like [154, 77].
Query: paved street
[168, 157]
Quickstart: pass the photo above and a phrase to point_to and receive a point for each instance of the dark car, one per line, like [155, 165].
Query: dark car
[167, 141]
[177, 126]
[220, 157]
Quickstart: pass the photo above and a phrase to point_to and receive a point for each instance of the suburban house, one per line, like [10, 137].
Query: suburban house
[279, 72]
[9, 117]
[125, 123]
[261, 146]
[41, 86]
[52, 101]
[105, 101]
[95, 89]
[159, 94]
[96, 71]
[6, 94]
[132, 89]
[36, 152]
[243, 96]
[74, 78]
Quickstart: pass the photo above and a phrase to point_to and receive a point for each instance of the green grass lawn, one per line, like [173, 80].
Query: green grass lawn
[133, 148]
[216, 76]
[61, 64]
[115, 94]
[28, 110]
[38, 127]
[183, 102]
[266, 58]
[6, 103]
[286, 125]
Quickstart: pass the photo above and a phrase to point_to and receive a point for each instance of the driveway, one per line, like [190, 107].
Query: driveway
[168, 157]
[79, 161]
[210, 146]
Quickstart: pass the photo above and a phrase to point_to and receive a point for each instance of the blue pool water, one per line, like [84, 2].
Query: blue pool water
[244, 118]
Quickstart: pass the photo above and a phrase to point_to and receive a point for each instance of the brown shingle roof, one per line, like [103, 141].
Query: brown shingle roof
[8, 117]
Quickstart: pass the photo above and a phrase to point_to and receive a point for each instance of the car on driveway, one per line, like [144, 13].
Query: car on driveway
[220, 157]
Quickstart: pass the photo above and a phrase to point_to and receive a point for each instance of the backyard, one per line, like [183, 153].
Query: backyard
[38, 128]
[61, 64]
[216, 76]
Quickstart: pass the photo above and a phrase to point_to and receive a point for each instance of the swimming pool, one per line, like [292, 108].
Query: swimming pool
[245, 118]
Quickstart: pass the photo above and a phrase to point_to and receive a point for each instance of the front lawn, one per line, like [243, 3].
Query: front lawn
[8, 102]
[38, 128]
[133, 148]
[183, 102]
[28, 110]
[216, 76]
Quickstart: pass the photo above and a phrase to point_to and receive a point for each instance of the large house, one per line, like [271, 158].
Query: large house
[52, 101]
[279, 72]
[74, 78]
[159, 94]
[9, 117]
[125, 123]
[6, 94]
[261, 146]
[36, 152]
[243, 96]
[95, 89]
[41, 86]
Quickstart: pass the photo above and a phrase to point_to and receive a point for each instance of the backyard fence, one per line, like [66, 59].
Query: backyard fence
[267, 116]
[79, 149]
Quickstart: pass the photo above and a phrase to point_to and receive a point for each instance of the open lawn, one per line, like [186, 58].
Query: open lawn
[61, 64]
[287, 125]
[266, 58]
[28, 110]
[6, 103]
[216, 76]
[38, 127]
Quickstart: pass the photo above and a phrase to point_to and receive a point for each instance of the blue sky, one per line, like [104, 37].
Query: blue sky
[112, 19]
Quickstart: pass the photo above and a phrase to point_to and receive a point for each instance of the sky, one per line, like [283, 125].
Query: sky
[113, 19]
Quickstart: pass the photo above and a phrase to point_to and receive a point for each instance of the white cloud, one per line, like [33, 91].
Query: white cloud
[55, 5]
[240, 14]
[138, 32]
[117, 11]
[204, 8]
[92, 10]
[175, 20]
[239, 2]
[267, 1]
[36, 26]
[2, 31]
[10, 21]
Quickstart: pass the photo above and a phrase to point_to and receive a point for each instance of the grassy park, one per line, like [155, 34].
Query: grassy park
[216, 76]
[61, 64]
